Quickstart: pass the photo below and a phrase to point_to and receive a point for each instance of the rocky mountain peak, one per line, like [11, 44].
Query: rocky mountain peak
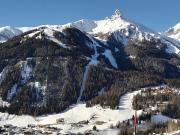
[117, 14]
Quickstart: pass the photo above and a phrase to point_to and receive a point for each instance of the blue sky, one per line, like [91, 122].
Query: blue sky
[156, 14]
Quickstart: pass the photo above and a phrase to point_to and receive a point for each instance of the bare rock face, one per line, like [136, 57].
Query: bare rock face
[117, 14]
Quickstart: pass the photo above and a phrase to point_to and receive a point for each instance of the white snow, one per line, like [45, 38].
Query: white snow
[173, 39]
[116, 49]
[12, 92]
[84, 81]
[174, 32]
[32, 34]
[172, 133]
[77, 113]
[132, 56]
[7, 33]
[107, 132]
[2, 74]
[175, 133]
[26, 71]
[93, 61]
[111, 58]
[3, 103]
[159, 118]
[122, 29]
[49, 32]
[38, 87]
[101, 92]
[173, 49]
[177, 26]
[110, 25]
[20, 121]
[84, 25]
[25, 29]
[120, 37]
[125, 105]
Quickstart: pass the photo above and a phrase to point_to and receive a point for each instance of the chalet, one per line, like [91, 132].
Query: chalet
[60, 120]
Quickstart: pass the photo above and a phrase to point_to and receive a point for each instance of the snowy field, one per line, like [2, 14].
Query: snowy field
[78, 113]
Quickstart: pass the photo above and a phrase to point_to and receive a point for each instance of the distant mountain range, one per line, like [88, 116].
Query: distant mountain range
[8, 32]
[47, 68]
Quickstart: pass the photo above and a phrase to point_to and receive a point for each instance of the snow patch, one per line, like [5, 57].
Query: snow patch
[50, 35]
[84, 25]
[119, 36]
[159, 118]
[38, 86]
[26, 72]
[102, 91]
[172, 49]
[2, 74]
[126, 107]
[32, 34]
[83, 82]
[3, 103]
[111, 58]
[132, 57]
[12, 92]
[93, 61]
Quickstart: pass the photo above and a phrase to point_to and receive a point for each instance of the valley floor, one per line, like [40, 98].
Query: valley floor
[78, 118]
[77, 114]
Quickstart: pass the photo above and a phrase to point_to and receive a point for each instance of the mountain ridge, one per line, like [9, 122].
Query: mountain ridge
[116, 24]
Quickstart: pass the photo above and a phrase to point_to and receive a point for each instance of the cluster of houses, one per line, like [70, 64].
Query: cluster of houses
[29, 130]
[153, 106]
[46, 129]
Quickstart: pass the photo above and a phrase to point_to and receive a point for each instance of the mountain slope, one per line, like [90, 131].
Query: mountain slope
[123, 30]
[174, 32]
[50, 67]
[8, 32]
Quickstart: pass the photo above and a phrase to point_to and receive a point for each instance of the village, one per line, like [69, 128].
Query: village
[150, 104]
[29, 130]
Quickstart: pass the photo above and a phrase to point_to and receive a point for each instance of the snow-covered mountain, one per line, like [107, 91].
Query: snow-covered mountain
[125, 30]
[116, 23]
[117, 26]
[8, 32]
[174, 32]
[109, 25]
[49, 68]
[60, 65]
